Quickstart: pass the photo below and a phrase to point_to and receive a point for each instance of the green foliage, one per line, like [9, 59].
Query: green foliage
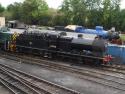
[74, 11]
[92, 12]
[33, 10]
[88, 13]
[2, 9]
[15, 10]
[30, 11]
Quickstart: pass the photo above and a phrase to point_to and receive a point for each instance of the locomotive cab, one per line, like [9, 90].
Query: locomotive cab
[88, 48]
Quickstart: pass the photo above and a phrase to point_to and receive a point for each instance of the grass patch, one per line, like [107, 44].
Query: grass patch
[122, 36]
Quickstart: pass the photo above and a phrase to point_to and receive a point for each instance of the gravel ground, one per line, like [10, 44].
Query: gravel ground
[81, 85]
[3, 90]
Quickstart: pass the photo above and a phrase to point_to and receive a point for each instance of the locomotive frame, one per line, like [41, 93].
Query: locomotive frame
[54, 45]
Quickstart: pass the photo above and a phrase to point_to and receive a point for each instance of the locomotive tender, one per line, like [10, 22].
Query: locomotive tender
[58, 44]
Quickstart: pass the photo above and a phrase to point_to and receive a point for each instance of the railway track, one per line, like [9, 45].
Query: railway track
[115, 68]
[13, 89]
[15, 85]
[30, 84]
[114, 81]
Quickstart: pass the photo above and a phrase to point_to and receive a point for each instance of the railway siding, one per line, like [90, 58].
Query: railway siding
[37, 82]
[87, 74]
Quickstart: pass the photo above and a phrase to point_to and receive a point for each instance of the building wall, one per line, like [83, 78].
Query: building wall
[2, 21]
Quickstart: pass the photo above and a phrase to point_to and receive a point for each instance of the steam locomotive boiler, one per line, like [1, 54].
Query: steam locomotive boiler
[57, 44]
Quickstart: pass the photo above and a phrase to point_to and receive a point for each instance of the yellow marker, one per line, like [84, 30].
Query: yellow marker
[14, 36]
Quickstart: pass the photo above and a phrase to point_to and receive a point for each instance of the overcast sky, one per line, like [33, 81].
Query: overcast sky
[51, 3]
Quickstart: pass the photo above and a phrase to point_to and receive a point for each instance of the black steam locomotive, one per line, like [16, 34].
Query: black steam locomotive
[58, 44]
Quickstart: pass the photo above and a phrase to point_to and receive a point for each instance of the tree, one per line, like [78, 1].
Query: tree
[65, 9]
[88, 13]
[2, 9]
[94, 13]
[15, 11]
[121, 20]
[74, 11]
[33, 10]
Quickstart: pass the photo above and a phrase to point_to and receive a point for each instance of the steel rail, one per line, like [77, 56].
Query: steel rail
[82, 71]
[17, 82]
[40, 80]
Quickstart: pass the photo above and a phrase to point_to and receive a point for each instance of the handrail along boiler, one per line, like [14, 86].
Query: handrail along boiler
[57, 44]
